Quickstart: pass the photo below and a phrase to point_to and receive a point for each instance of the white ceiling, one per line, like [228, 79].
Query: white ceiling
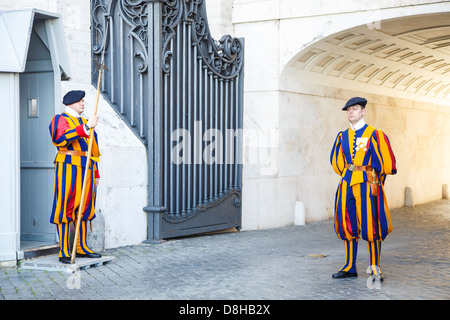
[407, 57]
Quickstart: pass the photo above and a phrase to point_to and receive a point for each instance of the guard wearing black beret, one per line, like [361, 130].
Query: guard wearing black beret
[355, 101]
[73, 96]
[362, 156]
[69, 132]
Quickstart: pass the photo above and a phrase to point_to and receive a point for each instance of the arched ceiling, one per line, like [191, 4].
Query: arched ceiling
[405, 57]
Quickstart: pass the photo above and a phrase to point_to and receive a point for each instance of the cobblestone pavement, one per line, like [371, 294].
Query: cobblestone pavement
[293, 262]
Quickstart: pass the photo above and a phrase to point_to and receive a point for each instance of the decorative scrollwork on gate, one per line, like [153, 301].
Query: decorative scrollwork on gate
[223, 57]
[136, 14]
[99, 16]
[171, 16]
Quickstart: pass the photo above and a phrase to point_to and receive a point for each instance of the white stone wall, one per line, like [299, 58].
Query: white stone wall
[307, 120]
[417, 132]
[219, 17]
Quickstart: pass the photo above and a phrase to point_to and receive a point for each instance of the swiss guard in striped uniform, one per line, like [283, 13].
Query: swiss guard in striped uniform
[70, 134]
[362, 156]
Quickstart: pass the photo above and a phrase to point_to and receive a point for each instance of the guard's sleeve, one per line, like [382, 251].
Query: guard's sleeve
[96, 153]
[383, 158]
[96, 171]
[337, 155]
[61, 133]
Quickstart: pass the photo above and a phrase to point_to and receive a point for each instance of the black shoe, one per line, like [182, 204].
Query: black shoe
[344, 274]
[376, 277]
[375, 273]
[65, 260]
[88, 255]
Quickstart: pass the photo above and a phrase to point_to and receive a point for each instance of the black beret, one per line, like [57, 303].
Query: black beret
[355, 100]
[73, 96]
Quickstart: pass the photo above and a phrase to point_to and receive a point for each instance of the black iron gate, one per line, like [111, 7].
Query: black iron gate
[181, 92]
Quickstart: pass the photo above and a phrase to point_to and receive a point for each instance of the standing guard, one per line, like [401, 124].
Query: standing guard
[70, 134]
[362, 156]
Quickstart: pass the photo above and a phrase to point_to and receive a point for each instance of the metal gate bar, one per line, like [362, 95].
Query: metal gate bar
[180, 92]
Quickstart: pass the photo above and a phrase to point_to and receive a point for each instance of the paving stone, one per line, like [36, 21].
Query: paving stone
[293, 262]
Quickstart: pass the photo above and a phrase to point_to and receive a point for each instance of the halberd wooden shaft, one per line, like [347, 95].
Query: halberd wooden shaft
[88, 160]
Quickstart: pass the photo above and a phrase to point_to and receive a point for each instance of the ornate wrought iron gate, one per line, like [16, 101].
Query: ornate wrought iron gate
[180, 91]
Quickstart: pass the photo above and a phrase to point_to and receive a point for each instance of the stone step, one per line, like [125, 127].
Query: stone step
[40, 251]
[51, 263]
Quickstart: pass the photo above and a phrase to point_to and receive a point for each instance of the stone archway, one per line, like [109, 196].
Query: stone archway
[402, 66]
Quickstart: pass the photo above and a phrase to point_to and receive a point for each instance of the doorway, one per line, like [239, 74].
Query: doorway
[36, 150]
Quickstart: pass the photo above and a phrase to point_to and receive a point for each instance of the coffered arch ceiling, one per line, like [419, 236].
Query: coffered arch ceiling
[404, 57]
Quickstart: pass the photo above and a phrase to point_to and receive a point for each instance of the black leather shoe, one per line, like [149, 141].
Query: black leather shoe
[88, 255]
[376, 277]
[65, 260]
[344, 274]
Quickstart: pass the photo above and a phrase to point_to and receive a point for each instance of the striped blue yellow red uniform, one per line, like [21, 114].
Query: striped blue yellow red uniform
[67, 133]
[355, 214]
